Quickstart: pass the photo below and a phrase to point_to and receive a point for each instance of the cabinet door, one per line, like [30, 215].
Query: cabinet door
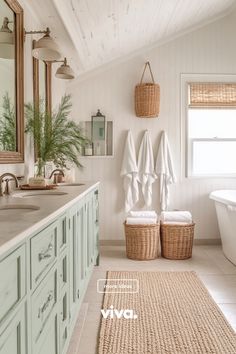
[89, 231]
[77, 251]
[80, 256]
[43, 301]
[96, 226]
[83, 242]
[12, 281]
[13, 337]
[49, 342]
[63, 320]
[73, 228]
[82, 245]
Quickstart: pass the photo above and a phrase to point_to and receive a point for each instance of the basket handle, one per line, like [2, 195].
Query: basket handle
[145, 67]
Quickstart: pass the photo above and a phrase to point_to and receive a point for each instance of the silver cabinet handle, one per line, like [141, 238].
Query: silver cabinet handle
[47, 253]
[43, 308]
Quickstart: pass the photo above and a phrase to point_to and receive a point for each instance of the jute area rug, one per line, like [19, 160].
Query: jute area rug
[175, 314]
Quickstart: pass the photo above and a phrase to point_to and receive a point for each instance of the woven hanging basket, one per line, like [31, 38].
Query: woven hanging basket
[147, 97]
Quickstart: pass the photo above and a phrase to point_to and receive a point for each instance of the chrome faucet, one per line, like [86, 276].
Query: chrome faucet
[56, 175]
[7, 180]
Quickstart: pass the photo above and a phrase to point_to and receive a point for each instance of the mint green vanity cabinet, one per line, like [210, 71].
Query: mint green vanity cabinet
[43, 280]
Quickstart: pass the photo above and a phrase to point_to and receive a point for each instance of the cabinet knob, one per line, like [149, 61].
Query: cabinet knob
[78, 294]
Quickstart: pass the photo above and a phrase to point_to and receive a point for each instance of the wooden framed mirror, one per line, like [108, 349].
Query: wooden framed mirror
[42, 82]
[11, 82]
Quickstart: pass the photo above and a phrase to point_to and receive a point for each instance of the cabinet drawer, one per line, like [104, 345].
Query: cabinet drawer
[12, 281]
[43, 252]
[42, 302]
[13, 337]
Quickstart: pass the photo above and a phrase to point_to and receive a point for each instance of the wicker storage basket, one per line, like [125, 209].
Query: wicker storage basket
[142, 241]
[177, 241]
[147, 97]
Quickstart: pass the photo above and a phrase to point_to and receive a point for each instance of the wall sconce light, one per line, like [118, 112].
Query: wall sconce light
[45, 48]
[64, 71]
[7, 40]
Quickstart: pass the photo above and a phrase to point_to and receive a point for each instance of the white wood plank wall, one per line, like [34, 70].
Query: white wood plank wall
[211, 49]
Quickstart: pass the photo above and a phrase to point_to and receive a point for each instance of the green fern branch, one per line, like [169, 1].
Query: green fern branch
[56, 137]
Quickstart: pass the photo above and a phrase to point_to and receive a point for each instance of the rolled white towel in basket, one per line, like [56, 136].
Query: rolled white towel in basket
[143, 214]
[176, 223]
[141, 221]
[176, 216]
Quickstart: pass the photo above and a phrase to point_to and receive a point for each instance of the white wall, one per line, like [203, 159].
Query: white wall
[208, 50]
[58, 89]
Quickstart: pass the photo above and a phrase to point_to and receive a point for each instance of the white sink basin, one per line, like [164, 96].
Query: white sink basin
[21, 207]
[70, 184]
[16, 212]
[41, 193]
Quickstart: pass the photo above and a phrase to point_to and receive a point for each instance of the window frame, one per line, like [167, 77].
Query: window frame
[186, 147]
[190, 156]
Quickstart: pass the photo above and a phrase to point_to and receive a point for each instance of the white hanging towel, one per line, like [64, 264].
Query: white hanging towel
[165, 170]
[146, 174]
[129, 172]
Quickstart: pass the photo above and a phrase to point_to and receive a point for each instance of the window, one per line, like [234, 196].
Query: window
[211, 129]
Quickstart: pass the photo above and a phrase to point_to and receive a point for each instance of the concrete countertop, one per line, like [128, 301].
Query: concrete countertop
[16, 226]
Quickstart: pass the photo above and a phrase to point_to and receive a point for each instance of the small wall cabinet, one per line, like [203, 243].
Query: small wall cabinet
[43, 281]
[99, 147]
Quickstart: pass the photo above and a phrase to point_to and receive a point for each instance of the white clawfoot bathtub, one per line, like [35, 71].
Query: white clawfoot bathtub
[225, 203]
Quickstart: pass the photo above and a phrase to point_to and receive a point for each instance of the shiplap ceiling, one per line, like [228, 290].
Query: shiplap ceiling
[105, 30]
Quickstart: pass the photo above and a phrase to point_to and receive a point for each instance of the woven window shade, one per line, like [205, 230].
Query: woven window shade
[212, 95]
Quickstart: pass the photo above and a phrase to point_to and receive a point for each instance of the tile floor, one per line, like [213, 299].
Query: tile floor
[216, 272]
